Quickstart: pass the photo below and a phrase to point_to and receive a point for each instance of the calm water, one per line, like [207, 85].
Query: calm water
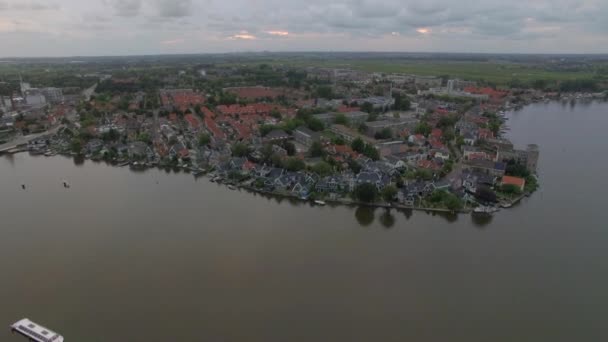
[157, 256]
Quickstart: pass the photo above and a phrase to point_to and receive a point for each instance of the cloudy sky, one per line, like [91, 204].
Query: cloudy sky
[125, 27]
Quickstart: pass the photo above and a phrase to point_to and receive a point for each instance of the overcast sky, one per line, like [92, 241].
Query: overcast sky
[126, 27]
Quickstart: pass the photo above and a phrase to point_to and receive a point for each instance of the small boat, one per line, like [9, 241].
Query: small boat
[198, 172]
[231, 187]
[485, 210]
[35, 332]
[48, 153]
[318, 202]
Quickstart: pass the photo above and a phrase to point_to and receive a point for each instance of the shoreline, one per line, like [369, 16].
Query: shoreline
[340, 201]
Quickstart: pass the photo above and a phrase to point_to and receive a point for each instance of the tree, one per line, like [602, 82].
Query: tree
[76, 145]
[354, 166]
[265, 129]
[367, 107]
[275, 114]
[358, 145]
[325, 92]
[294, 164]
[290, 148]
[341, 119]
[385, 133]
[371, 152]
[401, 102]
[315, 124]
[452, 202]
[145, 137]
[423, 128]
[510, 189]
[485, 194]
[316, 149]
[240, 150]
[204, 139]
[322, 169]
[338, 140]
[366, 192]
[111, 135]
[389, 193]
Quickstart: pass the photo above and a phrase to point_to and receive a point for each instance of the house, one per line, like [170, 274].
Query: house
[469, 138]
[94, 146]
[375, 178]
[305, 136]
[276, 136]
[428, 165]
[471, 180]
[329, 184]
[436, 133]
[442, 154]
[520, 183]
[395, 163]
[496, 169]
[417, 139]
[137, 149]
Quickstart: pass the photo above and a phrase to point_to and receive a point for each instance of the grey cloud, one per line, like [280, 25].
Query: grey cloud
[174, 8]
[34, 6]
[126, 8]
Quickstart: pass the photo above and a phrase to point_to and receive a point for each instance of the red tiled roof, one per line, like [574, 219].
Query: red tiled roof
[212, 127]
[436, 133]
[192, 121]
[253, 93]
[518, 182]
[428, 164]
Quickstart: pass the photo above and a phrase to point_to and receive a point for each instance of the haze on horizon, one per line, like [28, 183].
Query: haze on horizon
[36, 28]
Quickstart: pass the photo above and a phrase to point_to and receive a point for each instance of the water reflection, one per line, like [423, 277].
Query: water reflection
[10, 158]
[481, 221]
[387, 219]
[79, 160]
[365, 216]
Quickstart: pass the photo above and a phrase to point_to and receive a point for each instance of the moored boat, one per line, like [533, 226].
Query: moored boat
[35, 332]
[318, 202]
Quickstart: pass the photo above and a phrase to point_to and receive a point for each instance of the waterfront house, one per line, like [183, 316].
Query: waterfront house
[375, 178]
[94, 146]
[496, 169]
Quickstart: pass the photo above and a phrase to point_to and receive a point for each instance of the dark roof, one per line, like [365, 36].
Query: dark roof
[277, 134]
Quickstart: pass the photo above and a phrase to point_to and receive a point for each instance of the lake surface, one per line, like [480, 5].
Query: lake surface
[156, 256]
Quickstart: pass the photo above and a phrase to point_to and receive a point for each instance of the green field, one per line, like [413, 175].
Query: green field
[500, 73]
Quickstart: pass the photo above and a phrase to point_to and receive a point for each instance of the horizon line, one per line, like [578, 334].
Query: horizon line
[310, 52]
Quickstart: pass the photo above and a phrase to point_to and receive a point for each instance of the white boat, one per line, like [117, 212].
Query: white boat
[35, 332]
[320, 202]
[485, 210]
[231, 187]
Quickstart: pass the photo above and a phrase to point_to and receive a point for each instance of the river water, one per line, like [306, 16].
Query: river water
[157, 256]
